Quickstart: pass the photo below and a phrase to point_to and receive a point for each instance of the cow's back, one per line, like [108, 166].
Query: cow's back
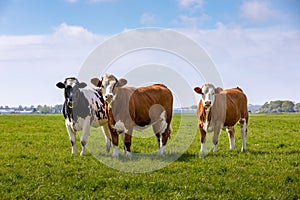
[236, 105]
[95, 107]
[147, 103]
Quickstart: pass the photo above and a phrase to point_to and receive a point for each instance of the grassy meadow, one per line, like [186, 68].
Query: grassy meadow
[36, 162]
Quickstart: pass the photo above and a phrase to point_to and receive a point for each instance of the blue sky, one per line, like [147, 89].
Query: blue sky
[254, 44]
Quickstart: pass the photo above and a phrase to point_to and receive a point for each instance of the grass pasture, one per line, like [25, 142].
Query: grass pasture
[36, 163]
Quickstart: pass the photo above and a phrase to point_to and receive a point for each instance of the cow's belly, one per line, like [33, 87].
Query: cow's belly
[83, 122]
[96, 123]
[141, 128]
[209, 126]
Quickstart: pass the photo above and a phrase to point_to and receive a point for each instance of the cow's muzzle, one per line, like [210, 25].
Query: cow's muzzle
[108, 97]
[70, 104]
[207, 104]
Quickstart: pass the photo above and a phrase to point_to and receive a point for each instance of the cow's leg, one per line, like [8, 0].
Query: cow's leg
[127, 142]
[107, 136]
[202, 140]
[162, 137]
[115, 142]
[162, 130]
[72, 136]
[230, 131]
[243, 124]
[217, 130]
[85, 134]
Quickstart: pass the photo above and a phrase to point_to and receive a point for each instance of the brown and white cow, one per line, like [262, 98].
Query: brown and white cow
[221, 109]
[136, 108]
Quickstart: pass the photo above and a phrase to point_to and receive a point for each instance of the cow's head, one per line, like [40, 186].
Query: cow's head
[108, 84]
[208, 92]
[71, 87]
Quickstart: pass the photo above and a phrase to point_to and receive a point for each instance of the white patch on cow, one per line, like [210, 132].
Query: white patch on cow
[93, 100]
[202, 150]
[163, 123]
[79, 124]
[215, 148]
[243, 125]
[108, 143]
[116, 152]
[71, 82]
[208, 95]
[232, 143]
[108, 86]
[120, 127]
[141, 128]
[231, 139]
[161, 150]
[206, 127]
[83, 152]
[107, 136]
[128, 154]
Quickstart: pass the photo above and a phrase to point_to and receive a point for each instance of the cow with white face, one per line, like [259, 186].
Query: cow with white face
[83, 107]
[136, 108]
[218, 109]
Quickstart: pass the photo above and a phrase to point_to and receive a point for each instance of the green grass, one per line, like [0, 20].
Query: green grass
[36, 163]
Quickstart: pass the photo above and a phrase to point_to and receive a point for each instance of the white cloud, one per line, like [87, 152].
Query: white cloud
[32, 64]
[96, 1]
[264, 62]
[191, 22]
[71, 1]
[147, 19]
[191, 4]
[257, 10]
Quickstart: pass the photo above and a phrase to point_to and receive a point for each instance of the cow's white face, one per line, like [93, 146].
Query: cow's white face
[108, 85]
[208, 92]
[71, 87]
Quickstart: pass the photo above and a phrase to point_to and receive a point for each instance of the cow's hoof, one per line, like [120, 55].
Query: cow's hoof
[243, 150]
[115, 155]
[82, 154]
[128, 154]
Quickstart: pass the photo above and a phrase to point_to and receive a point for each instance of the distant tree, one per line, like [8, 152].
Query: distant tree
[297, 107]
[287, 106]
[278, 106]
[57, 108]
[44, 109]
[265, 108]
[194, 107]
[20, 108]
[275, 106]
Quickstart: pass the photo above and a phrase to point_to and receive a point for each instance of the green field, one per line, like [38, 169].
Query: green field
[36, 163]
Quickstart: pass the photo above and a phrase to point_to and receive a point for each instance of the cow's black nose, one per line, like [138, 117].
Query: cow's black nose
[108, 96]
[207, 103]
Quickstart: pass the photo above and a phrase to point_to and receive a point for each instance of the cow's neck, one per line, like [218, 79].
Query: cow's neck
[208, 113]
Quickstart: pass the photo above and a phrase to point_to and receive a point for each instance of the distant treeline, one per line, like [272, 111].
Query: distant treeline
[45, 109]
[279, 107]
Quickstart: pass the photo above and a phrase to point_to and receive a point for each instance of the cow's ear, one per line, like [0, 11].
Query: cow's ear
[60, 85]
[121, 82]
[218, 90]
[198, 90]
[82, 85]
[96, 82]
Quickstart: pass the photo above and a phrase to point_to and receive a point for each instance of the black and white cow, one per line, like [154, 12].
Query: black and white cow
[83, 107]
